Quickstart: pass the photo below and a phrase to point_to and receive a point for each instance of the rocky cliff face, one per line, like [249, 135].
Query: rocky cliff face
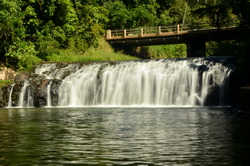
[35, 93]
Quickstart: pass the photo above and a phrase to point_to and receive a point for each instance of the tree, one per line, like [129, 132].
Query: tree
[34, 29]
[91, 24]
[118, 15]
[179, 10]
[165, 18]
[144, 15]
[165, 4]
[242, 10]
[219, 13]
[11, 27]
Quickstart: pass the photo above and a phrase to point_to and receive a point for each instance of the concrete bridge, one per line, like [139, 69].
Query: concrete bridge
[195, 37]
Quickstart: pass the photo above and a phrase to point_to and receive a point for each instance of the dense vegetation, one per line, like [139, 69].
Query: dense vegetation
[32, 31]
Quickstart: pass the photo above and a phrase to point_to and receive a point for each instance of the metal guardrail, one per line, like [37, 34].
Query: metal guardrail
[160, 30]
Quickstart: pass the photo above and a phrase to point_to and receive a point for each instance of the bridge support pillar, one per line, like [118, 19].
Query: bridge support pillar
[196, 48]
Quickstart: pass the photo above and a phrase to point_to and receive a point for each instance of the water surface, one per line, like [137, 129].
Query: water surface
[124, 136]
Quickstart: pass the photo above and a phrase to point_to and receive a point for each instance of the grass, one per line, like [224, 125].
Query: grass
[4, 83]
[102, 53]
[167, 51]
[89, 56]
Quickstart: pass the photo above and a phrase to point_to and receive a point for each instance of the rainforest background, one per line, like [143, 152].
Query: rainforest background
[34, 31]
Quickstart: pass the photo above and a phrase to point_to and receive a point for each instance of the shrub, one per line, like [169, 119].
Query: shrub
[22, 56]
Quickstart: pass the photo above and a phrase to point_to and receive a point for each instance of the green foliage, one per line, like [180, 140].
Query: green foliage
[179, 10]
[102, 53]
[4, 83]
[220, 13]
[24, 54]
[90, 27]
[144, 15]
[32, 31]
[242, 10]
[165, 18]
[223, 48]
[119, 15]
[167, 51]
[9, 20]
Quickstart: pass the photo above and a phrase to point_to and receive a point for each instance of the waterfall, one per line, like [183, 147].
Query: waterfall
[10, 99]
[48, 95]
[174, 82]
[21, 101]
[144, 83]
[51, 71]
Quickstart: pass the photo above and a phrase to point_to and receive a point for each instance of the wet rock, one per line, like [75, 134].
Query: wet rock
[4, 96]
[21, 76]
[54, 89]
[39, 92]
[34, 95]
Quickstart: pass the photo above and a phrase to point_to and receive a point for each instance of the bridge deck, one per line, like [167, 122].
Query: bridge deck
[176, 37]
[194, 38]
[172, 35]
[152, 32]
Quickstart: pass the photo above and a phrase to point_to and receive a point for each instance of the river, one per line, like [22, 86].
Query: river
[124, 136]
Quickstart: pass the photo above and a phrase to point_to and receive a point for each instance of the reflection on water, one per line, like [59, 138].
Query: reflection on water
[124, 136]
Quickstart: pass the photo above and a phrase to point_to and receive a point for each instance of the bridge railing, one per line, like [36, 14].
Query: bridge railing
[156, 31]
[140, 32]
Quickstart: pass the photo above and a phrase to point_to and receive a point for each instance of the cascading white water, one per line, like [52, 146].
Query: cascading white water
[152, 83]
[43, 69]
[48, 95]
[216, 75]
[134, 83]
[50, 70]
[10, 98]
[21, 101]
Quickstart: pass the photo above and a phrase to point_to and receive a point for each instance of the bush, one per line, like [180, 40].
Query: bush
[22, 56]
